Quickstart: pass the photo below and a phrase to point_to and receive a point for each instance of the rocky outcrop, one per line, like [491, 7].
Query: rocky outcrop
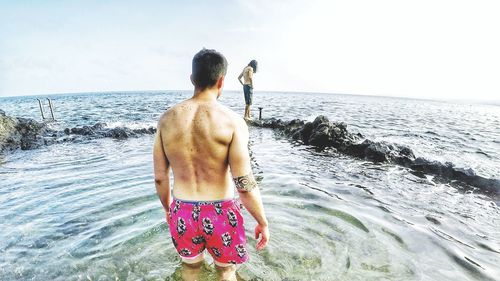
[20, 133]
[322, 133]
[24, 133]
[96, 131]
[99, 130]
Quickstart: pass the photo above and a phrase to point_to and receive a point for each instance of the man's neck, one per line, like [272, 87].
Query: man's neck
[206, 94]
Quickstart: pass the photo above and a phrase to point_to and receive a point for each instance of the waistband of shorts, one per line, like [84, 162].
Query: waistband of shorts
[223, 202]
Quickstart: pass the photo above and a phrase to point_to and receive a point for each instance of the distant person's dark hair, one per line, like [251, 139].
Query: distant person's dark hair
[253, 64]
[207, 67]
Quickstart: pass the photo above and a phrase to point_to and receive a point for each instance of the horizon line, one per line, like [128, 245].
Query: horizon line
[480, 100]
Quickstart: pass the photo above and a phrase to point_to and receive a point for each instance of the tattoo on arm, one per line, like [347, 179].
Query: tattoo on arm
[245, 183]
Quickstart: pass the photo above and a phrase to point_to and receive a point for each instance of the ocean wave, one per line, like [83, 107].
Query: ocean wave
[130, 125]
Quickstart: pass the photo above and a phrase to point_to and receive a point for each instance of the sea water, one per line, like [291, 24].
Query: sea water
[88, 210]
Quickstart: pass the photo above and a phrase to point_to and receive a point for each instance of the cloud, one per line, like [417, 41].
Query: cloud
[441, 49]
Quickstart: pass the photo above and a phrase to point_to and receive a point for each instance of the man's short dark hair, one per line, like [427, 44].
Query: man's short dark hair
[208, 67]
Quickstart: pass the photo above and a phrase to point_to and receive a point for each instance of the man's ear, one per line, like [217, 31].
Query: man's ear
[191, 78]
[220, 83]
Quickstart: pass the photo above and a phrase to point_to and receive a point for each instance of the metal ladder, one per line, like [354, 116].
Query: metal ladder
[40, 104]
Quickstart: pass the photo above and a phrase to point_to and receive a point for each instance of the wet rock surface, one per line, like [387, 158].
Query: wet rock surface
[322, 133]
[24, 133]
[99, 130]
[20, 133]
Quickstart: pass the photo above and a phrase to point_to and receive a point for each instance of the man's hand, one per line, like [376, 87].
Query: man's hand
[263, 232]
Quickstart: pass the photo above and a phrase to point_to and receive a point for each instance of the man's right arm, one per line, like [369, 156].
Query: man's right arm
[161, 171]
[239, 161]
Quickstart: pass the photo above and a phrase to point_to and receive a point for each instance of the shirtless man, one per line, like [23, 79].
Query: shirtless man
[206, 145]
[247, 75]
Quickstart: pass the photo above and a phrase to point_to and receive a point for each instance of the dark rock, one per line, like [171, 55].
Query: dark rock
[403, 156]
[317, 133]
[99, 130]
[306, 132]
[358, 150]
[84, 131]
[20, 133]
[141, 131]
[321, 119]
[267, 123]
[432, 167]
[98, 126]
[322, 134]
[342, 126]
[120, 133]
[406, 151]
[377, 152]
[293, 126]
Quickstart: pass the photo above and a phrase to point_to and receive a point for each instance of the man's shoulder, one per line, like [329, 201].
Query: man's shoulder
[168, 114]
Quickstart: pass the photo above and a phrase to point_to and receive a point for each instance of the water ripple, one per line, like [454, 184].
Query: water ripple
[89, 210]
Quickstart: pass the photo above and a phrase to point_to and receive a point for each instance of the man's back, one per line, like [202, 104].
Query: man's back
[196, 136]
[247, 75]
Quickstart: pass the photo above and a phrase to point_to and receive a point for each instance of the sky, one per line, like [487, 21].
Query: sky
[441, 49]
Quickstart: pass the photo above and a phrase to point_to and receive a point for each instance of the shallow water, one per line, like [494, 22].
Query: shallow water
[80, 211]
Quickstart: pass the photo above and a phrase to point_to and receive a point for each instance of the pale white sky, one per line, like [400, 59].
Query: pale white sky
[424, 49]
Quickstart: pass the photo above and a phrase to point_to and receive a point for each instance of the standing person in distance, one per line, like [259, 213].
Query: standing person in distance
[247, 83]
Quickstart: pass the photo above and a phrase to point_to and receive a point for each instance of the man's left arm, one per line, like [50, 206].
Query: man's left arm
[239, 77]
[161, 172]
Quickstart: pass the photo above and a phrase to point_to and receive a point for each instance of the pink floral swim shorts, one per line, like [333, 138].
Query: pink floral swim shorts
[213, 225]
